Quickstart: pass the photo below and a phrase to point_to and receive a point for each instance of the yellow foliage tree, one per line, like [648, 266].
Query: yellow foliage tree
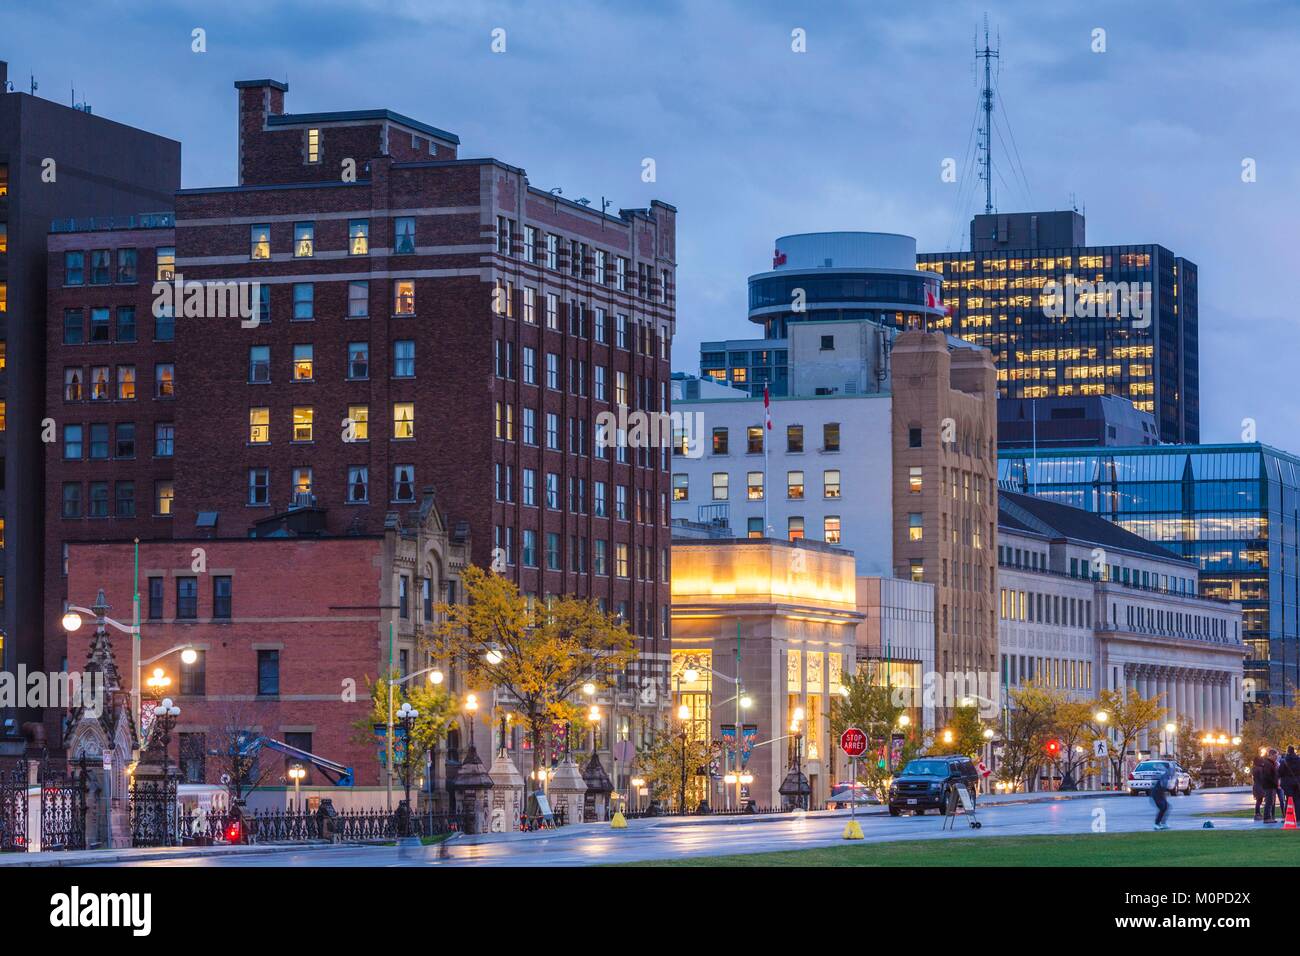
[1127, 715]
[539, 660]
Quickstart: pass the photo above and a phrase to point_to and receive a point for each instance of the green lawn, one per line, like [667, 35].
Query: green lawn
[1148, 848]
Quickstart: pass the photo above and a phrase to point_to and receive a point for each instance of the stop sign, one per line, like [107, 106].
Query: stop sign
[853, 742]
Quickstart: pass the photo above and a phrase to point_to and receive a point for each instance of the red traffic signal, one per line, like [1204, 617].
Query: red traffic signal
[234, 832]
[1053, 748]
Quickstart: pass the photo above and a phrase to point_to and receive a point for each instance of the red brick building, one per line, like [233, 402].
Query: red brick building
[110, 394]
[469, 326]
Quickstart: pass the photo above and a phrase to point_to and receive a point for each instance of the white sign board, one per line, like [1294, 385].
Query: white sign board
[1099, 748]
[967, 803]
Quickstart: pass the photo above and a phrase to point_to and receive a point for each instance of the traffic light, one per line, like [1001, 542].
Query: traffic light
[234, 832]
[1053, 749]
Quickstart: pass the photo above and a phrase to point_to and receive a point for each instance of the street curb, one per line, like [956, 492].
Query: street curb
[65, 858]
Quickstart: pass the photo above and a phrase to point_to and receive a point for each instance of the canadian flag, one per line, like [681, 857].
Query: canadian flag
[931, 300]
[767, 408]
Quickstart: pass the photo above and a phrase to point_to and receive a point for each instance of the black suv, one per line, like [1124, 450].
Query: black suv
[923, 783]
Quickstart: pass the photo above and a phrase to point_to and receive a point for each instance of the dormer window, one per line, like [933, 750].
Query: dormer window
[313, 145]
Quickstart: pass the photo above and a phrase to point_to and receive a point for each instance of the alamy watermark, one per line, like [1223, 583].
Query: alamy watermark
[681, 431]
[1077, 298]
[195, 299]
[59, 690]
[954, 689]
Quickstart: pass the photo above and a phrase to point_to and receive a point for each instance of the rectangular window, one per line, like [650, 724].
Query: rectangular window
[71, 499]
[831, 483]
[403, 420]
[98, 499]
[831, 436]
[259, 485]
[303, 417]
[156, 598]
[831, 529]
[304, 240]
[164, 263]
[358, 299]
[164, 377]
[358, 360]
[187, 598]
[221, 596]
[530, 244]
[72, 385]
[552, 251]
[358, 237]
[530, 305]
[100, 330]
[620, 560]
[164, 439]
[125, 440]
[99, 267]
[304, 301]
[259, 426]
[553, 551]
[552, 311]
[259, 363]
[268, 673]
[74, 327]
[303, 362]
[720, 481]
[403, 482]
[358, 484]
[915, 479]
[125, 493]
[754, 439]
[794, 527]
[74, 268]
[754, 486]
[302, 481]
[914, 526]
[681, 487]
[99, 441]
[794, 485]
[126, 324]
[164, 496]
[404, 358]
[72, 442]
[259, 241]
[404, 235]
[164, 326]
[403, 297]
[529, 556]
[313, 145]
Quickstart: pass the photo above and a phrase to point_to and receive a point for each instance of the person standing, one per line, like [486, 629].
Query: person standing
[1256, 781]
[1268, 783]
[1289, 775]
[1160, 795]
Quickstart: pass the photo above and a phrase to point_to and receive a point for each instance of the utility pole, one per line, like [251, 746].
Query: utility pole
[988, 55]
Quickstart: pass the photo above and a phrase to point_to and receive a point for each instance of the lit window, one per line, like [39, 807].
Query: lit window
[754, 439]
[831, 436]
[164, 381]
[359, 416]
[126, 382]
[302, 481]
[794, 527]
[302, 363]
[917, 566]
[914, 526]
[313, 145]
[164, 263]
[681, 487]
[831, 525]
[72, 385]
[259, 242]
[403, 420]
[794, 485]
[259, 426]
[359, 237]
[404, 297]
[164, 497]
[754, 486]
[304, 240]
[831, 483]
[302, 422]
[914, 480]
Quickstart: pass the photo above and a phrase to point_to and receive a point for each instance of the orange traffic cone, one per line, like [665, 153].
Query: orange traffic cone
[1289, 822]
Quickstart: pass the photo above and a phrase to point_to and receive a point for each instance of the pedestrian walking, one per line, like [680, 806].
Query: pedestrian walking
[1160, 795]
[1268, 783]
[1288, 775]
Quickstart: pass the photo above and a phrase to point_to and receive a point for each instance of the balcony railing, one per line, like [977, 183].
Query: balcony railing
[147, 220]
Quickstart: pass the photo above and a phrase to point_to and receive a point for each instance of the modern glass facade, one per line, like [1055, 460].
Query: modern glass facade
[997, 300]
[1233, 509]
[749, 364]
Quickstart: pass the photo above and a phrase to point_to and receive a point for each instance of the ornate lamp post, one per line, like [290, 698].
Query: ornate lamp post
[296, 773]
[683, 714]
[165, 721]
[406, 716]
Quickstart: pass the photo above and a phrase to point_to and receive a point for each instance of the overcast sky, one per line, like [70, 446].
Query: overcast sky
[752, 140]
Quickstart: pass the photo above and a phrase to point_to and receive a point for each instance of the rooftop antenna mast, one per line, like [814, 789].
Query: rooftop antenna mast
[988, 55]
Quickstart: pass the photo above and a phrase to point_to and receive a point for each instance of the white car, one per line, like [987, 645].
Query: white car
[1142, 777]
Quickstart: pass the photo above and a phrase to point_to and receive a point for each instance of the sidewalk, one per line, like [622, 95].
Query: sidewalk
[136, 854]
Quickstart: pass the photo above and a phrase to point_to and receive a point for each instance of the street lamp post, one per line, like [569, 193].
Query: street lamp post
[407, 716]
[435, 678]
[683, 714]
[296, 773]
[165, 716]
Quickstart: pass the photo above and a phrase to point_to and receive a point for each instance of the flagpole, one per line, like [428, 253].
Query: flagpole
[767, 440]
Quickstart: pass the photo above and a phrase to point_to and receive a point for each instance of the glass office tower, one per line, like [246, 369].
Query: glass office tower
[996, 296]
[1234, 509]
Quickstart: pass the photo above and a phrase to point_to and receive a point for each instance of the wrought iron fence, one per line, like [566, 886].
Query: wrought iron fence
[13, 807]
[298, 826]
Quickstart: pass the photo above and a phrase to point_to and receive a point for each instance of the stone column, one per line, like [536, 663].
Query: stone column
[507, 794]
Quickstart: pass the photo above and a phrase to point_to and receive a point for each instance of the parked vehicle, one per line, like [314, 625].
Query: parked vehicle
[847, 793]
[924, 782]
[1142, 777]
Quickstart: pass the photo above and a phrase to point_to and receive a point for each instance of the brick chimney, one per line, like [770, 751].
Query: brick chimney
[258, 99]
